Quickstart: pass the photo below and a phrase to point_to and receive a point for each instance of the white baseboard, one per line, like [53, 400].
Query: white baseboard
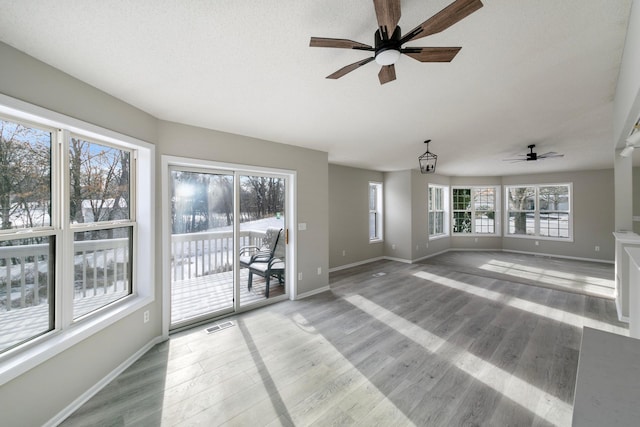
[604, 261]
[355, 264]
[313, 292]
[430, 256]
[390, 258]
[84, 397]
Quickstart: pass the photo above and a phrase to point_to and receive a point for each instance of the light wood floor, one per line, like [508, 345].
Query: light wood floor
[428, 344]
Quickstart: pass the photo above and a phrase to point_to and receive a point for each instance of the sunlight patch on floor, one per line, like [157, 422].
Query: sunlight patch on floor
[551, 277]
[549, 407]
[532, 307]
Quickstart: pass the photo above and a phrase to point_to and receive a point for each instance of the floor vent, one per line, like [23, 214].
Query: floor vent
[219, 327]
[380, 274]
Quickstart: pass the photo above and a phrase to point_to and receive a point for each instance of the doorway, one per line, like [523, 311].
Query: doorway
[227, 240]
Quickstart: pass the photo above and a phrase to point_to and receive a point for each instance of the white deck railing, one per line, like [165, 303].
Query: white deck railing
[101, 266]
[207, 252]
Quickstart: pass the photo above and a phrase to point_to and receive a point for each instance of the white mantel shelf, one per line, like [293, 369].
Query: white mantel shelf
[608, 382]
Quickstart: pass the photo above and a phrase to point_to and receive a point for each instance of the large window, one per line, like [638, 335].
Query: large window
[541, 211]
[474, 210]
[67, 229]
[375, 211]
[438, 206]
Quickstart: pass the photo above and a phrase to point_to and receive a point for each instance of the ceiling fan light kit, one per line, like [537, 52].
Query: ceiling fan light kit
[427, 161]
[389, 39]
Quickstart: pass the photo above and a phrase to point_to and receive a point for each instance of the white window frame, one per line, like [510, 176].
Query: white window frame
[496, 219]
[376, 208]
[69, 332]
[536, 212]
[444, 190]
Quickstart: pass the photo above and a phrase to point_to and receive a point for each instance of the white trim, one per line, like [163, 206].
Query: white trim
[403, 260]
[355, 264]
[603, 261]
[21, 359]
[313, 292]
[94, 389]
[497, 212]
[621, 317]
[430, 256]
[537, 213]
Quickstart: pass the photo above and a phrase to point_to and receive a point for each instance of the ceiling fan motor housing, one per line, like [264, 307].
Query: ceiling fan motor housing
[387, 50]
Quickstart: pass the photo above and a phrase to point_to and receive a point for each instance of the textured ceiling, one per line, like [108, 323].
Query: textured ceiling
[530, 72]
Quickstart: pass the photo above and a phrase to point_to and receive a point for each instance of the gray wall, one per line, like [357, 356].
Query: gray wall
[57, 382]
[398, 233]
[348, 213]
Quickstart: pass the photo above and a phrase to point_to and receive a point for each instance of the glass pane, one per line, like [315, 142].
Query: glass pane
[26, 289]
[432, 225]
[373, 197]
[521, 223]
[102, 268]
[554, 224]
[262, 238]
[25, 176]
[461, 198]
[555, 198]
[373, 221]
[484, 222]
[100, 182]
[521, 198]
[484, 199]
[202, 245]
[462, 222]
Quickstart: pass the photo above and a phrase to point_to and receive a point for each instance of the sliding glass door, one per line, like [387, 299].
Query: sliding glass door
[228, 241]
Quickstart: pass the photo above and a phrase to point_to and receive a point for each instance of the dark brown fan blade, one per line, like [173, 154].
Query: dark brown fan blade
[387, 74]
[339, 43]
[442, 20]
[388, 14]
[549, 155]
[349, 68]
[432, 54]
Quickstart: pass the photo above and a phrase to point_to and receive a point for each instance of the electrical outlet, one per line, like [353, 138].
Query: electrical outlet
[344, 252]
[597, 248]
[319, 271]
[417, 247]
[393, 246]
[299, 276]
[475, 240]
[537, 243]
[146, 316]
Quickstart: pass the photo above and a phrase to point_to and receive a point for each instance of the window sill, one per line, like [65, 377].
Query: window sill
[376, 241]
[20, 360]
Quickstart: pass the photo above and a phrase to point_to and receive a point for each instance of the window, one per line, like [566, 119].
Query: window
[541, 211]
[375, 211]
[438, 205]
[474, 210]
[71, 245]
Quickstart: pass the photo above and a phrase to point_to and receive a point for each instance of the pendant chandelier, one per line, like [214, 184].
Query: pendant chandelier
[427, 161]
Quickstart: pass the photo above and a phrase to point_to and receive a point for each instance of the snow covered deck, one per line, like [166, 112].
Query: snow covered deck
[189, 298]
